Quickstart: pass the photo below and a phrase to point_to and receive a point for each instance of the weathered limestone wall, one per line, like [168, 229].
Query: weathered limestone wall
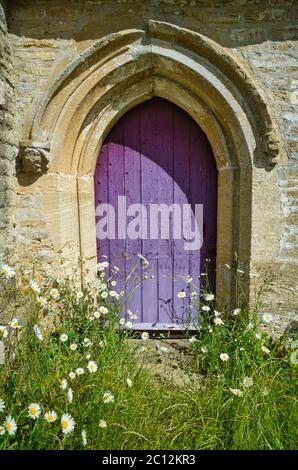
[8, 140]
[44, 33]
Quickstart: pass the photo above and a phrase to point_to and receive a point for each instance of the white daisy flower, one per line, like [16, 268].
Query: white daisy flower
[67, 423]
[224, 357]
[37, 332]
[3, 331]
[69, 395]
[84, 438]
[7, 271]
[209, 297]
[102, 423]
[33, 284]
[2, 430]
[267, 317]
[129, 382]
[63, 337]
[41, 301]
[88, 355]
[218, 321]
[113, 293]
[101, 344]
[72, 375]
[64, 384]
[129, 325]
[10, 425]
[122, 321]
[265, 350]
[236, 391]
[181, 295]
[87, 343]
[15, 324]
[104, 295]
[258, 336]
[248, 381]
[236, 311]
[217, 313]
[80, 371]
[204, 349]
[79, 295]
[50, 416]
[92, 366]
[206, 308]
[193, 295]
[73, 346]
[34, 410]
[105, 264]
[103, 310]
[145, 336]
[108, 397]
[96, 315]
[113, 283]
[2, 405]
[55, 294]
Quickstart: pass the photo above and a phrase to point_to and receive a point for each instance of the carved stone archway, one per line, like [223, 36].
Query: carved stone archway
[75, 111]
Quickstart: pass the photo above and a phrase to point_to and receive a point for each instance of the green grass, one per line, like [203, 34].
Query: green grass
[149, 414]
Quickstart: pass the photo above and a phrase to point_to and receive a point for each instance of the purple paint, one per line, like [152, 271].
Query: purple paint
[156, 153]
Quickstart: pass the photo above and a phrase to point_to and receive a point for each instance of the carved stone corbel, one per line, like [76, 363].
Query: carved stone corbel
[271, 148]
[34, 157]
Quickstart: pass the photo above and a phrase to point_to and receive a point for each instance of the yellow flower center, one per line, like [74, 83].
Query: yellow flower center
[8, 426]
[50, 418]
[33, 411]
[64, 424]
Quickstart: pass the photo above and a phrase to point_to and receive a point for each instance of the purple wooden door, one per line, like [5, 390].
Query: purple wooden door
[156, 154]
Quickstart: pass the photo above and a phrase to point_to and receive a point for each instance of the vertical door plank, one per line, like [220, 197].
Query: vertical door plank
[132, 157]
[164, 141]
[116, 188]
[149, 181]
[197, 193]
[181, 139]
[210, 215]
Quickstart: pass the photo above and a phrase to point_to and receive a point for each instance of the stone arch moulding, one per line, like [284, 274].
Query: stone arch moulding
[76, 110]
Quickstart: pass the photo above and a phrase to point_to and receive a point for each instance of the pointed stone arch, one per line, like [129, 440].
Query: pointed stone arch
[76, 109]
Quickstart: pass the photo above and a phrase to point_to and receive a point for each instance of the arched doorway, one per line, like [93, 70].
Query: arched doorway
[157, 156]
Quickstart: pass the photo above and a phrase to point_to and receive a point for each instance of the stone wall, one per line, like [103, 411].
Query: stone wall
[8, 140]
[45, 33]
